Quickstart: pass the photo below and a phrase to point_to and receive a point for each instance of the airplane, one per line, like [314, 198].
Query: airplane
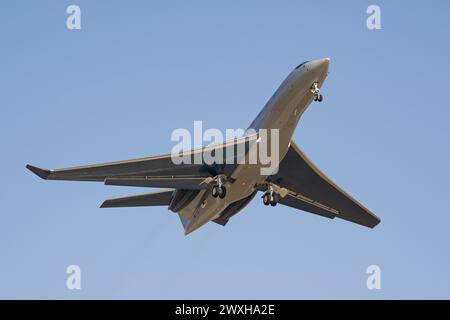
[203, 192]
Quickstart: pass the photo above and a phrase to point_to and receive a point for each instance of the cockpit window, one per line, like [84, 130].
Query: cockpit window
[300, 65]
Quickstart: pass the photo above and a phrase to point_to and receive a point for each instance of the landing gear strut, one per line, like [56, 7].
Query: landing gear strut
[270, 197]
[219, 189]
[316, 91]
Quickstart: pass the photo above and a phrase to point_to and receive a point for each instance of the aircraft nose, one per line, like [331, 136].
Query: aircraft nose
[321, 65]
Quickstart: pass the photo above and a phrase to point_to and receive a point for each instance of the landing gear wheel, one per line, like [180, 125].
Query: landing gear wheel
[316, 91]
[218, 191]
[215, 191]
[266, 199]
[270, 198]
[222, 192]
[274, 200]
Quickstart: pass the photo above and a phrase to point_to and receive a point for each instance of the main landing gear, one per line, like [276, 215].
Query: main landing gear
[316, 91]
[219, 189]
[270, 197]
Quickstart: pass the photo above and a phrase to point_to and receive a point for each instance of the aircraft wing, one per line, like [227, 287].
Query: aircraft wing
[310, 190]
[159, 171]
[158, 166]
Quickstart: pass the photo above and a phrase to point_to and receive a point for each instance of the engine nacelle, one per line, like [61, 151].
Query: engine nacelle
[181, 198]
[234, 208]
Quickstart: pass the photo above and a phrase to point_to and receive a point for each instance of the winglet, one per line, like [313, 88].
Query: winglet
[39, 172]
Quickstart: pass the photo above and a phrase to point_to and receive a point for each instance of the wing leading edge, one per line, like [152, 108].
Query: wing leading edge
[158, 171]
[316, 193]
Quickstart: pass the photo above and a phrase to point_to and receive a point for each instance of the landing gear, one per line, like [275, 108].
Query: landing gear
[270, 197]
[219, 192]
[318, 97]
[266, 199]
[316, 91]
[219, 189]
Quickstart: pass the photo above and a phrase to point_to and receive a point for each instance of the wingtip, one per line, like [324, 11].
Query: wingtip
[42, 173]
[375, 222]
[105, 204]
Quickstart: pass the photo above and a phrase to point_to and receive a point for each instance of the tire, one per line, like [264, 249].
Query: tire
[320, 98]
[222, 192]
[215, 191]
[266, 200]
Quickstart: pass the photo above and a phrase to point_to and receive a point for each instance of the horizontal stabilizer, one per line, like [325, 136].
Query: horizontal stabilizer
[159, 182]
[142, 200]
[39, 172]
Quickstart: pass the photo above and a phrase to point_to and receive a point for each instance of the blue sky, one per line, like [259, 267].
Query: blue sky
[118, 87]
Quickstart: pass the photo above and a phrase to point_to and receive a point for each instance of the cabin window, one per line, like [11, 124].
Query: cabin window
[300, 65]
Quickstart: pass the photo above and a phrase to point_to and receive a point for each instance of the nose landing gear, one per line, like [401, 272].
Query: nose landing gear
[316, 91]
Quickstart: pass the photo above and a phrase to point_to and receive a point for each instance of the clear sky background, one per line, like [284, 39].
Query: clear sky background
[137, 70]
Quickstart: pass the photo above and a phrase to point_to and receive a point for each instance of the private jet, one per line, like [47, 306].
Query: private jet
[200, 192]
